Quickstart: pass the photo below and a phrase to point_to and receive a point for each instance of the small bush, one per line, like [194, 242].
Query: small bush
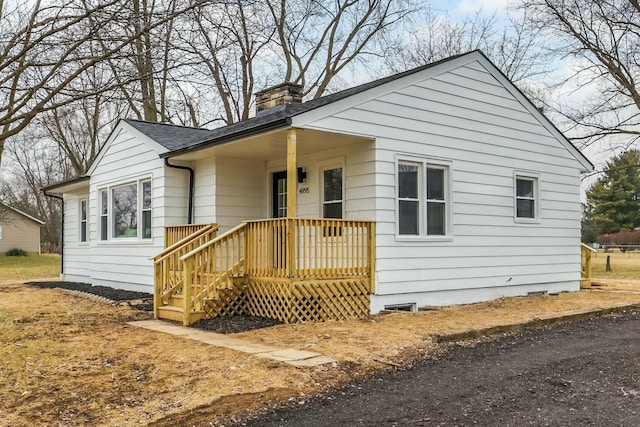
[16, 252]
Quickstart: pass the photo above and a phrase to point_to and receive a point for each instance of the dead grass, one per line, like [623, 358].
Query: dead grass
[71, 361]
[623, 265]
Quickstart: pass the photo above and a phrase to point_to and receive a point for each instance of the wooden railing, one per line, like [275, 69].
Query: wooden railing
[310, 248]
[585, 263]
[297, 248]
[210, 266]
[168, 266]
[176, 233]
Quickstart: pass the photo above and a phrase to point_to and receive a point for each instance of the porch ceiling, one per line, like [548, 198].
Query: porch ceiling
[273, 145]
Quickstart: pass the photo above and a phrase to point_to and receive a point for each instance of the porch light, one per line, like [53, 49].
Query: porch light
[302, 175]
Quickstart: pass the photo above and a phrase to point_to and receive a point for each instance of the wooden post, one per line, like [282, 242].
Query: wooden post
[157, 288]
[608, 268]
[186, 289]
[292, 174]
[291, 246]
[372, 257]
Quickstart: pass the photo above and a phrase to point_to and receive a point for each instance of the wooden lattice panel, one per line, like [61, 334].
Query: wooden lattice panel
[308, 301]
[231, 301]
[269, 298]
[329, 300]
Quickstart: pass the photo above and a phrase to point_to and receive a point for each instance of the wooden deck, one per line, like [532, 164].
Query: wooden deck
[293, 270]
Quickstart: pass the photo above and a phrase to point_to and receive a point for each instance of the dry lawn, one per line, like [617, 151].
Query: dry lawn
[67, 360]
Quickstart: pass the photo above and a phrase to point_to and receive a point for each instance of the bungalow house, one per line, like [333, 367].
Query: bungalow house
[435, 186]
[19, 230]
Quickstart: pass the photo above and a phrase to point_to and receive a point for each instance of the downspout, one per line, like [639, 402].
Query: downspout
[191, 185]
[61, 231]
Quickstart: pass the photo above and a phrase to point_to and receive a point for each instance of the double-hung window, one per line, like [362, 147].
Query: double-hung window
[83, 220]
[104, 212]
[526, 197]
[125, 211]
[423, 200]
[332, 193]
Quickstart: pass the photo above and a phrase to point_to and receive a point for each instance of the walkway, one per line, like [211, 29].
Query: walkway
[287, 355]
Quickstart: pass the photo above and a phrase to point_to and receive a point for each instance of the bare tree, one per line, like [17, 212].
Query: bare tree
[225, 45]
[318, 39]
[244, 45]
[512, 46]
[604, 38]
[80, 128]
[35, 164]
[45, 47]
[143, 68]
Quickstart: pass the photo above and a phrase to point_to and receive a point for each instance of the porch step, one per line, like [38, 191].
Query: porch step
[169, 312]
[176, 301]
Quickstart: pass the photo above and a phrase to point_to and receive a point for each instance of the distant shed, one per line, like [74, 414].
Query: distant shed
[19, 230]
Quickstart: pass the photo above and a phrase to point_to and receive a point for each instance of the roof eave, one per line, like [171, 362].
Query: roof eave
[282, 122]
[67, 184]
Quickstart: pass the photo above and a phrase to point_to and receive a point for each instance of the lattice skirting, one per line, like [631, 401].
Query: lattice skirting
[294, 301]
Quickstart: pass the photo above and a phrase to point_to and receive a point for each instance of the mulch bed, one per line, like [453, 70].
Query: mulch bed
[103, 291]
[144, 301]
[234, 324]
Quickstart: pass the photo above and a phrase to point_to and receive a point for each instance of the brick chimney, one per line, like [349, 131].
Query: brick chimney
[282, 94]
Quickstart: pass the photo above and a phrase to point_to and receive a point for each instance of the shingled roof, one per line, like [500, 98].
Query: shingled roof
[179, 139]
[171, 137]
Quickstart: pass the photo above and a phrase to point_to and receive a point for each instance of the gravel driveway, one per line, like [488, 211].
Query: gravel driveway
[577, 374]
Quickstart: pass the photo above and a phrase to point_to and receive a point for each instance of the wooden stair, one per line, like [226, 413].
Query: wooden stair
[171, 312]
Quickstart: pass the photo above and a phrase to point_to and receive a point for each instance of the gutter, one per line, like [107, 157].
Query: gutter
[191, 187]
[61, 230]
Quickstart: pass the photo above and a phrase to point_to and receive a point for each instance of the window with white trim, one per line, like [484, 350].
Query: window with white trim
[83, 220]
[332, 199]
[0, 232]
[146, 209]
[104, 211]
[423, 199]
[526, 194]
[123, 214]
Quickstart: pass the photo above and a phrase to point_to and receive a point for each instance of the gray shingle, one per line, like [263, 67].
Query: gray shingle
[171, 137]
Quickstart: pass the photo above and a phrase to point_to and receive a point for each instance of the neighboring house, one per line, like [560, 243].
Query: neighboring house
[19, 230]
[464, 190]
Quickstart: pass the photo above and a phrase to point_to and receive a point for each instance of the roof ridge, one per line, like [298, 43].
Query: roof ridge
[147, 122]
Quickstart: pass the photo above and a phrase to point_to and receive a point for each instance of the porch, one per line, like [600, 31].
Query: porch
[289, 269]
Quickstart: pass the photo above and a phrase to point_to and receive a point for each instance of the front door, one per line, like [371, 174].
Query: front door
[279, 210]
[279, 195]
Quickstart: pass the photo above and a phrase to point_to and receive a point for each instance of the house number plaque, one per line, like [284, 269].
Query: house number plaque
[304, 190]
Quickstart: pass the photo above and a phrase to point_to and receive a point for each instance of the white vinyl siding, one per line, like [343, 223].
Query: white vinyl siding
[240, 191]
[124, 262]
[466, 115]
[205, 191]
[77, 255]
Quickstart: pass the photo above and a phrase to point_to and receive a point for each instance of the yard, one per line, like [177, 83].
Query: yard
[68, 360]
